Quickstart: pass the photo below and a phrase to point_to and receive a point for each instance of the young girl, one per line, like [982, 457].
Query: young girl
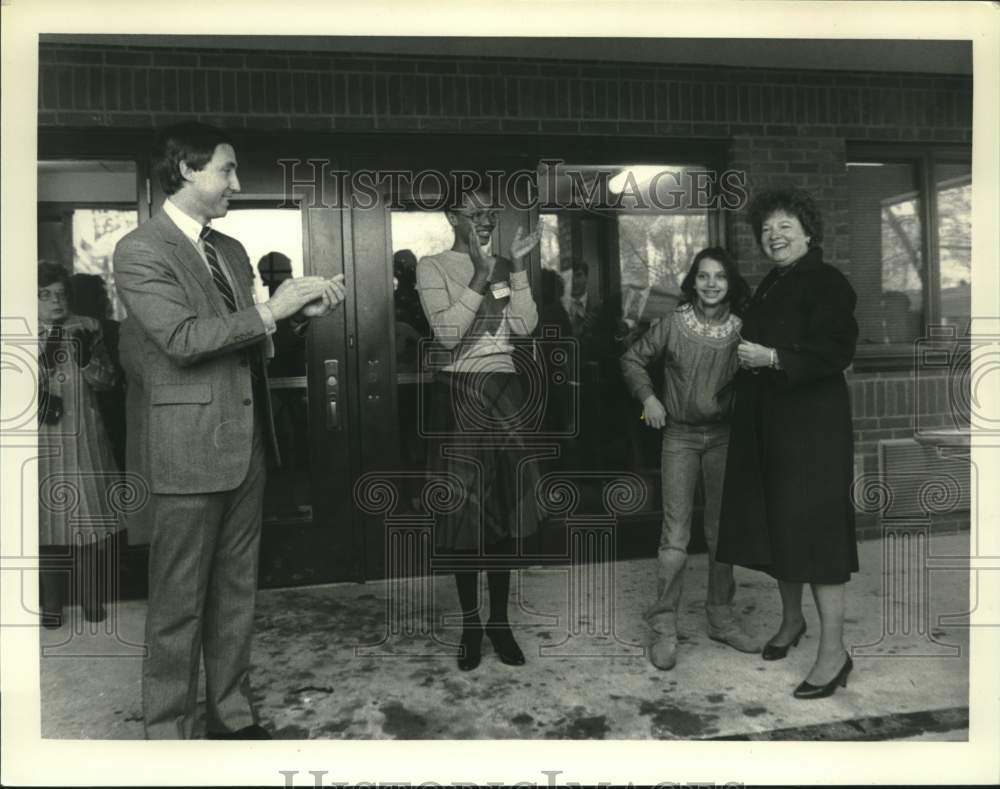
[698, 341]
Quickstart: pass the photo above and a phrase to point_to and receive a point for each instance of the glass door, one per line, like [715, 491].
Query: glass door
[309, 533]
[273, 240]
[405, 224]
[617, 242]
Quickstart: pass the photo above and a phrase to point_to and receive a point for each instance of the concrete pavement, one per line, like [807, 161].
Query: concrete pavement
[341, 661]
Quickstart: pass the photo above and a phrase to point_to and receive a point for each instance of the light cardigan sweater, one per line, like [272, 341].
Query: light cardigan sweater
[451, 308]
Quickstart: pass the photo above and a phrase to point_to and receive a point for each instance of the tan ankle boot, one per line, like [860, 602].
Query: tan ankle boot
[724, 626]
[663, 652]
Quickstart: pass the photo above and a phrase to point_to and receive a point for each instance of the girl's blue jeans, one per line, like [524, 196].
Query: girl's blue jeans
[690, 452]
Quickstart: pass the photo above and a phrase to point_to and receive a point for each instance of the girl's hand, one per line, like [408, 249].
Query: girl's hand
[653, 412]
[751, 355]
[523, 244]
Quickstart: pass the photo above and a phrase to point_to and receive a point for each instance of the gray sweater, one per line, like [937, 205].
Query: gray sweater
[699, 359]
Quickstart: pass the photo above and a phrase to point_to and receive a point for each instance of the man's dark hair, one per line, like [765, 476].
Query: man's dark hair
[190, 142]
[792, 201]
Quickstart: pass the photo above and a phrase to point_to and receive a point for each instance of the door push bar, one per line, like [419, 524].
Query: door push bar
[331, 370]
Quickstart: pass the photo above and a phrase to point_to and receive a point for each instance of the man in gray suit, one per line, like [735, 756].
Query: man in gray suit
[199, 423]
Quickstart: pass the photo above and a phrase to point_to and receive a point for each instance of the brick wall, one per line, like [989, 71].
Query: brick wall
[780, 126]
[113, 86]
[814, 162]
[885, 405]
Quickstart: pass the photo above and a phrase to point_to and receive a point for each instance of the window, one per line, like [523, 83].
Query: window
[85, 206]
[655, 252]
[910, 225]
[617, 240]
[636, 227]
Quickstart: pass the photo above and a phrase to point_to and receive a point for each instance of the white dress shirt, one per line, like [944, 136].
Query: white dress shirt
[192, 228]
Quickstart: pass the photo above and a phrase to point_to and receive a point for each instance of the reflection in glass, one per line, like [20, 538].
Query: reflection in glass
[273, 240]
[422, 232]
[549, 243]
[886, 252]
[415, 234]
[655, 252]
[96, 232]
[85, 206]
[620, 238]
[263, 231]
[954, 216]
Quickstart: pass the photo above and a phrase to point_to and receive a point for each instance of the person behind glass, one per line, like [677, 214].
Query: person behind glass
[553, 323]
[76, 454]
[474, 303]
[698, 344]
[90, 298]
[288, 403]
[406, 300]
[608, 434]
[576, 301]
[786, 505]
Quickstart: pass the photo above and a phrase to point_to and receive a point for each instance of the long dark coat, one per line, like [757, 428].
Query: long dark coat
[786, 505]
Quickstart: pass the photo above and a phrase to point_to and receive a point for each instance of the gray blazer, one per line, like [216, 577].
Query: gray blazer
[186, 360]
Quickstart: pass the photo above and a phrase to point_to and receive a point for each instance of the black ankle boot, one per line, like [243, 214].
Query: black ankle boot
[504, 644]
[471, 649]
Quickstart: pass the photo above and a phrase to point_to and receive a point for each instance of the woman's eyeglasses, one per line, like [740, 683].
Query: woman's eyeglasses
[480, 216]
[52, 295]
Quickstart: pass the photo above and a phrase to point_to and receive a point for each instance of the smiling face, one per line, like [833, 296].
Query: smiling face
[477, 211]
[206, 192]
[711, 283]
[52, 305]
[783, 239]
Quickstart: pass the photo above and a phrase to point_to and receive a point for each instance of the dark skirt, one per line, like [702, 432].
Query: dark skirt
[476, 442]
[786, 502]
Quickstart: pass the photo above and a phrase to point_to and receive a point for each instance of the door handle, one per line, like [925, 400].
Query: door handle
[331, 372]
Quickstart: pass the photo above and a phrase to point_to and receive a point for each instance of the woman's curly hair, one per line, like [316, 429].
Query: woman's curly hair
[50, 273]
[792, 201]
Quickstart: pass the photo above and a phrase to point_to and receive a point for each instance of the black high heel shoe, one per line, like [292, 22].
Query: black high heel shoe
[470, 651]
[504, 644]
[807, 691]
[776, 651]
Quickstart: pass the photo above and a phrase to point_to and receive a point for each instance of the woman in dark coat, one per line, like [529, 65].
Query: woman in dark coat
[786, 506]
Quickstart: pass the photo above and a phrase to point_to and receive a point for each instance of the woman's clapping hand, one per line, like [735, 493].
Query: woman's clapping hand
[523, 244]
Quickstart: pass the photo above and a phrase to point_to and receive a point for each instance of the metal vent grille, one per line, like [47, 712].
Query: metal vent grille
[920, 482]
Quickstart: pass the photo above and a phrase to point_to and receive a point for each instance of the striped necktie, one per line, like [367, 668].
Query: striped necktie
[218, 276]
